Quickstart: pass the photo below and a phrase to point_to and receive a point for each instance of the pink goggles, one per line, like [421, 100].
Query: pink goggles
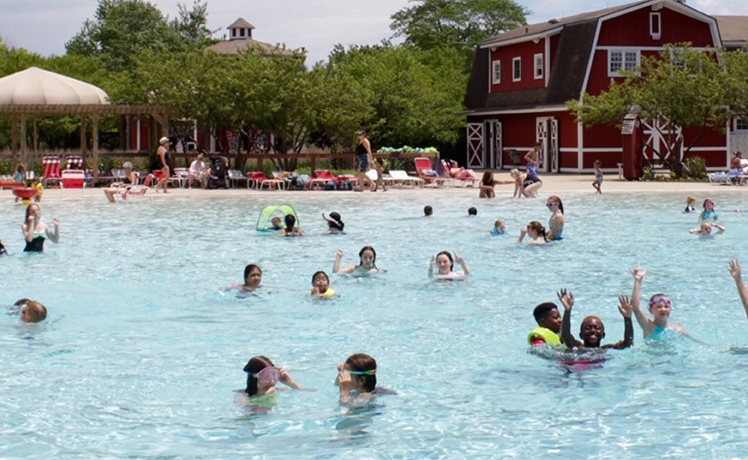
[268, 376]
[660, 298]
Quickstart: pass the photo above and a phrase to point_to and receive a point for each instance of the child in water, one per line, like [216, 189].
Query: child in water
[321, 286]
[291, 228]
[549, 325]
[598, 182]
[660, 306]
[276, 224]
[535, 231]
[2, 249]
[357, 381]
[31, 311]
[445, 266]
[262, 375]
[499, 228]
[367, 262]
[689, 204]
[379, 165]
[592, 330]
[706, 228]
[252, 278]
[428, 211]
[709, 214]
[472, 212]
[334, 223]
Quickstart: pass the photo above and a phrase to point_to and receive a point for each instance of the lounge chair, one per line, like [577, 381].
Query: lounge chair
[719, 178]
[401, 178]
[73, 179]
[235, 176]
[322, 177]
[427, 173]
[180, 177]
[51, 171]
[461, 179]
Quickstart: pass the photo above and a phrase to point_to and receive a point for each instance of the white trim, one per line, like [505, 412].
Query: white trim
[517, 148]
[580, 144]
[641, 48]
[522, 39]
[728, 139]
[652, 33]
[535, 66]
[490, 69]
[547, 59]
[513, 111]
[516, 60]
[138, 147]
[595, 150]
[494, 80]
[707, 149]
[615, 74]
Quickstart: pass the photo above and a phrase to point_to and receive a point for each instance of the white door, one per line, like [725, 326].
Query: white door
[498, 145]
[553, 145]
[475, 145]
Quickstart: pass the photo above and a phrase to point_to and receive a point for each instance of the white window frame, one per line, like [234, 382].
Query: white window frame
[538, 70]
[516, 65]
[625, 64]
[655, 18]
[737, 124]
[496, 72]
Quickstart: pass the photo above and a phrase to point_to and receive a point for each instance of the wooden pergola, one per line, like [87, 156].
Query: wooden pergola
[20, 113]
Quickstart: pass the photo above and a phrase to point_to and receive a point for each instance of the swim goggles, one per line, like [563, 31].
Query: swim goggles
[371, 372]
[268, 376]
[660, 298]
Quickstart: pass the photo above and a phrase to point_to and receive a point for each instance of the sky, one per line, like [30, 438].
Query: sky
[43, 26]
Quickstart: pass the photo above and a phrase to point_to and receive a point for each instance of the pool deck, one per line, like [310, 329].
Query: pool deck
[552, 183]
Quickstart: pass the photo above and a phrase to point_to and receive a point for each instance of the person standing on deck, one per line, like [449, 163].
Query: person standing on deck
[363, 160]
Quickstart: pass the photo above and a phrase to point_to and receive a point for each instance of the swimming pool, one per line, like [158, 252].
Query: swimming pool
[141, 353]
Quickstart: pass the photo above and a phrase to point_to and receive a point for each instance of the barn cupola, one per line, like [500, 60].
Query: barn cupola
[240, 30]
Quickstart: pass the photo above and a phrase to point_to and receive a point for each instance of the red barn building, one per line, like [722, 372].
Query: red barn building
[522, 79]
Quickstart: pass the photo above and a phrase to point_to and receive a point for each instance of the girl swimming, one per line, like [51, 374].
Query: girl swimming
[357, 381]
[334, 223]
[445, 266]
[487, 186]
[321, 286]
[367, 262]
[291, 229]
[262, 375]
[252, 278]
[709, 214]
[535, 231]
[660, 307]
[499, 228]
[34, 230]
[557, 220]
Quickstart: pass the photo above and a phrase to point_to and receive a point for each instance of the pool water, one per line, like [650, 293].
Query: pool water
[142, 351]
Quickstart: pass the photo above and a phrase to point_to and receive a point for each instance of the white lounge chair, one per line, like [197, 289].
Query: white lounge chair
[401, 178]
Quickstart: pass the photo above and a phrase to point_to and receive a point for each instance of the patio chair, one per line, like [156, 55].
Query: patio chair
[51, 171]
[401, 178]
[254, 178]
[74, 162]
[720, 178]
[73, 179]
[180, 177]
[235, 176]
[322, 177]
[460, 180]
[427, 173]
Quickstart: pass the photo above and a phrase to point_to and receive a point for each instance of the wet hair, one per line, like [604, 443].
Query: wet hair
[691, 199]
[28, 210]
[472, 211]
[703, 204]
[361, 362]
[428, 210]
[361, 254]
[248, 269]
[254, 366]
[538, 227]
[487, 178]
[558, 200]
[36, 311]
[449, 256]
[2, 249]
[542, 310]
[659, 294]
[290, 222]
[318, 273]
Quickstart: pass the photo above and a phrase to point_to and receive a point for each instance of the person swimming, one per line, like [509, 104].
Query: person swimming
[357, 381]
[31, 311]
[291, 228]
[367, 262]
[499, 228]
[334, 223]
[321, 286]
[34, 231]
[444, 264]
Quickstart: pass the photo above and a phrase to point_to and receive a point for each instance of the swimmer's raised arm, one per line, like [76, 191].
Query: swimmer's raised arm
[54, 236]
[285, 378]
[644, 322]
[461, 261]
[567, 299]
[734, 268]
[626, 309]
[338, 257]
[432, 262]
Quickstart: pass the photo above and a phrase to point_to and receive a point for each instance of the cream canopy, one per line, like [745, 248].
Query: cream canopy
[35, 86]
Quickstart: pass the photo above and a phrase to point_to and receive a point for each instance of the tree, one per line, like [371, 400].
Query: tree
[682, 86]
[459, 24]
[192, 25]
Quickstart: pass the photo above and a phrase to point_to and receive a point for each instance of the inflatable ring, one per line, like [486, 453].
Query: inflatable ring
[329, 293]
[547, 335]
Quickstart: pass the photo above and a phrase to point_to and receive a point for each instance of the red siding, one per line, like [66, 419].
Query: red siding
[506, 54]
[633, 30]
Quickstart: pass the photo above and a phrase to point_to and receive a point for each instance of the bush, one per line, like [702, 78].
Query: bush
[695, 168]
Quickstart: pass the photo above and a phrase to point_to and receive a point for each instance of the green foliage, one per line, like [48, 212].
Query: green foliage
[695, 167]
[456, 24]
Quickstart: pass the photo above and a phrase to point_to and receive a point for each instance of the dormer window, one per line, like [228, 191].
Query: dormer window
[517, 69]
[538, 66]
[496, 77]
[655, 25]
[233, 33]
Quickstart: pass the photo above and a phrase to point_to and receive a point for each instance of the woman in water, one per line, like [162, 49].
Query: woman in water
[262, 375]
[557, 220]
[357, 381]
[34, 231]
[525, 184]
[291, 229]
[535, 231]
[367, 262]
[444, 264]
[334, 223]
[486, 186]
[252, 278]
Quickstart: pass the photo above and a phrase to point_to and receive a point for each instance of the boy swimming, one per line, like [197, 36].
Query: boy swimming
[549, 325]
[592, 330]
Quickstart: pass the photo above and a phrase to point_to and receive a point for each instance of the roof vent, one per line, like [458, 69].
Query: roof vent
[553, 21]
[526, 29]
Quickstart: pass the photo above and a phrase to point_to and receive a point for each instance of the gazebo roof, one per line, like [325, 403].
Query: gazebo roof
[35, 86]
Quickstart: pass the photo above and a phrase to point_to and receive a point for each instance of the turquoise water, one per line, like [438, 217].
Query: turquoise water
[141, 352]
